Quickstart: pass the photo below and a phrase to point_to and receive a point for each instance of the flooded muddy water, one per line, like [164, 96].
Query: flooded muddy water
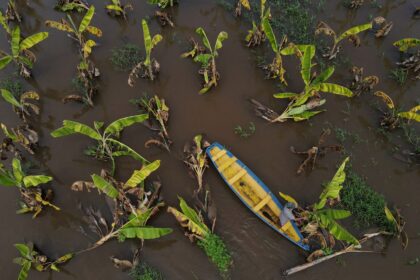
[258, 251]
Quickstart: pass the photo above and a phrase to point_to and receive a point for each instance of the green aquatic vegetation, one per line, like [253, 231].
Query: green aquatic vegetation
[162, 3]
[145, 272]
[351, 34]
[195, 158]
[126, 57]
[108, 147]
[414, 261]
[207, 58]
[13, 85]
[245, 132]
[366, 205]
[20, 50]
[132, 205]
[33, 199]
[399, 75]
[117, 9]
[343, 135]
[301, 105]
[257, 34]
[72, 5]
[22, 105]
[196, 229]
[149, 67]
[30, 257]
[21, 135]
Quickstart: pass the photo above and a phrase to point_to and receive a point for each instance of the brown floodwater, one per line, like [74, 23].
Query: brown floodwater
[258, 251]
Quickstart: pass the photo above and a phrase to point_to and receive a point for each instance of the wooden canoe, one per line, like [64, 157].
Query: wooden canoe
[253, 192]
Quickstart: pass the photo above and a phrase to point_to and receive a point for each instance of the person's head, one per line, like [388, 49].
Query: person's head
[290, 205]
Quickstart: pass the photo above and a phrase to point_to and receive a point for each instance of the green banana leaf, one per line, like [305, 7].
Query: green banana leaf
[333, 88]
[353, 31]
[337, 230]
[105, 186]
[14, 43]
[17, 170]
[219, 40]
[412, 114]
[35, 180]
[142, 232]
[324, 76]
[139, 176]
[306, 115]
[33, 40]
[117, 126]
[87, 19]
[335, 214]
[306, 64]
[149, 43]
[269, 33]
[404, 44]
[9, 97]
[200, 31]
[4, 61]
[72, 127]
[124, 150]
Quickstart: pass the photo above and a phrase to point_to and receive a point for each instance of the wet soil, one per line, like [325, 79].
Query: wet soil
[258, 252]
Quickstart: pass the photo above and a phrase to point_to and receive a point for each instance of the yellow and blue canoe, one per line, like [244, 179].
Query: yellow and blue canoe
[253, 192]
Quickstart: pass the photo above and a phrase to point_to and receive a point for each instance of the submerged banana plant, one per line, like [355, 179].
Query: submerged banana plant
[148, 68]
[30, 257]
[196, 230]
[72, 5]
[207, 58]
[108, 147]
[360, 83]
[131, 203]
[20, 50]
[410, 50]
[33, 199]
[21, 105]
[239, 5]
[275, 69]
[392, 118]
[117, 9]
[21, 135]
[301, 105]
[257, 34]
[351, 34]
[12, 13]
[162, 3]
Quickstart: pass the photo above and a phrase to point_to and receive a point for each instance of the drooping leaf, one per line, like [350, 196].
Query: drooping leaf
[24, 271]
[17, 170]
[6, 179]
[269, 33]
[306, 107]
[200, 31]
[9, 97]
[306, 62]
[288, 198]
[64, 258]
[4, 61]
[87, 19]
[94, 31]
[117, 126]
[35, 180]
[411, 115]
[124, 150]
[324, 76]
[333, 188]
[105, 186]
[354, 31]
[196, 228]
[334, 88]
[306, 115]
[59, 26]
[337, 230]
[289, 95]
[33, 40]
[404, 44]
[115, 8]
[87, 48]
[139, 176]
[72, 127]
[219, 40]
[203, 58]
[23, 249]
[245, 4]
[143, 232]
[385, 97]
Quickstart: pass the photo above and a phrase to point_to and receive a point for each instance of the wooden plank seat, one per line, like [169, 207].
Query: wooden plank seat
[227, 163]
[262, 203]
[219, 154]
[238, 176]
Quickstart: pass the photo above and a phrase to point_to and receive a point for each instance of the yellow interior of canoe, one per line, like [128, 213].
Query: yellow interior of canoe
[251, 191]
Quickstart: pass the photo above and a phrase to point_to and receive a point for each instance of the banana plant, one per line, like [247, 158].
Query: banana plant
[117, 9]
[72, 5]
[108, 147]
[20, 51]
[392, 118]
[351, 34]
[405, 44]
[275, 69]
[301, 105]
[239, 5]
[21, 135]
[162, 3]
[196, 229]
[133, 206]
[32, 258]
[22, 106]
[12, 13]
[257, 34]
[149, 67]
[410, 61]
[32, 197]
[207, 58]
[77, 33]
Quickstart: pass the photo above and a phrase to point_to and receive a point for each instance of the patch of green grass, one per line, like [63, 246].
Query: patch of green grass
[366, 205]
[12, 85]
[399, 75]
[343, 135]
[145, 272]
[126, 57]
[412, 136]
[217, 251]
[245, 132]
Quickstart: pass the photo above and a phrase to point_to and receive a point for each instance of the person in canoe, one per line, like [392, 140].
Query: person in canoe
[287, 213]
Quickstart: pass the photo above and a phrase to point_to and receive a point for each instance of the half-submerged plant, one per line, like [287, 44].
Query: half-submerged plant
[20, 51]
[239, 5]
[22, 105]
[30, 257]
[12, 13]
[315, 152]
[72, 5]
[410, 63]
[149, 67]
[131, 204]
[108, 147]
[275, 69]
[196, 159]
[158, 113]
[21, 135]
[33, 199]
[360, 83]
[207, 59]
[197, 230]
[392, 118]
[165, 18]
[163, 3]
[301, 105]
[257, 34]
[117, 9]
[351, 34]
